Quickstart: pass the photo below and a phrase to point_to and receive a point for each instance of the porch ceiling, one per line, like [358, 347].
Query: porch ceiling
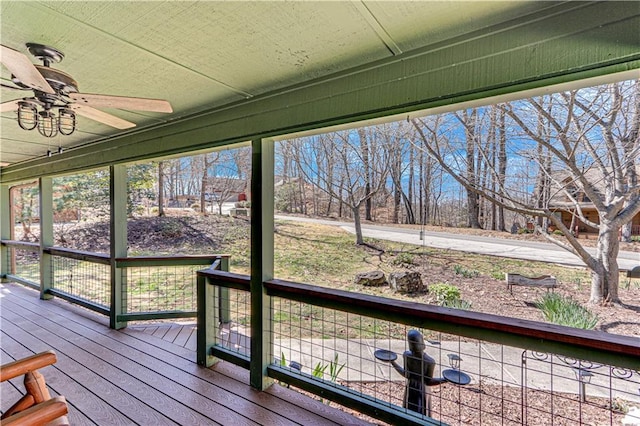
[237, 70]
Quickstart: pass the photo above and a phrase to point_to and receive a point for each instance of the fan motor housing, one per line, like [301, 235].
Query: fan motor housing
[59, 81]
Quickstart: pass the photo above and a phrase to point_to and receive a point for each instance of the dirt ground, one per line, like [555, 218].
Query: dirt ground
[489, 295]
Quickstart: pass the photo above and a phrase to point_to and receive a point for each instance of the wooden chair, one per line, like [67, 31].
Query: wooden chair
[36, 407]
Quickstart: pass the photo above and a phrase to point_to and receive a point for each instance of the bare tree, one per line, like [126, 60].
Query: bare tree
[348, 180]
[469, 120]
[588, 145]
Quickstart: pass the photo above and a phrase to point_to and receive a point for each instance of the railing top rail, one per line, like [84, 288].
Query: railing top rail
[142, 261]
[25, 245]
[211, 257]
[511, 331]
[78, 254]
[227, 279]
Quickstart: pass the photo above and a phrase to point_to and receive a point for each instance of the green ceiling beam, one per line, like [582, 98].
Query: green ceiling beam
[568, 42]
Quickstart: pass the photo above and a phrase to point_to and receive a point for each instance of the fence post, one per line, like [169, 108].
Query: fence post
[117, 242]
[45, 191]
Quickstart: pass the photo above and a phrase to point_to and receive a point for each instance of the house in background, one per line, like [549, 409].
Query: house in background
[570, 198]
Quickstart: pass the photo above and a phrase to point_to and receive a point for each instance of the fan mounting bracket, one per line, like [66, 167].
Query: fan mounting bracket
[46, 54]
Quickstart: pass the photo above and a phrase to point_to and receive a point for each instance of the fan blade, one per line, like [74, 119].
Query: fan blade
[122, 102]
[102, 117]
[9, 106]
[21, 67]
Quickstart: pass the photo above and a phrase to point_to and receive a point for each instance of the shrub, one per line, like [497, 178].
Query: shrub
[558, 232]
[458, 304]
[445, 293]
[566, 311]
[403, 258]
[467, 273]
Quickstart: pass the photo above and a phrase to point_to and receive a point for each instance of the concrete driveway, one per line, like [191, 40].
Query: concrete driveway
[515, 249]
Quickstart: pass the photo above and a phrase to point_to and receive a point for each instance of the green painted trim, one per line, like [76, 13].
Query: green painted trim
[207, 321]
[22, 245]
[563, 43]
[5, 229]
[131, 262]
[118, 242]
[45, 193]
[80, 302]
[143, 316]
[79, 255]
[232, 357]
[262, 169]
[20, 280]
[224, 297]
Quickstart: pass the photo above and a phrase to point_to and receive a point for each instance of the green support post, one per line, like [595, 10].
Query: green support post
[5, 230]
[208, 320]
[223, 296]
[45, 187]
[118, 242]
[262, 160]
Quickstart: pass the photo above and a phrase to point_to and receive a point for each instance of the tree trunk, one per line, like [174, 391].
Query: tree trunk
[357, 225]
[605, 273]
[364, 149]
[203, 185]
[502, 165]
[473, 200]
[161, 188]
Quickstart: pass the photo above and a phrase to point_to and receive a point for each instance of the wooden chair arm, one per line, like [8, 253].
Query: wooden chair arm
[25, 365]
[39, 414]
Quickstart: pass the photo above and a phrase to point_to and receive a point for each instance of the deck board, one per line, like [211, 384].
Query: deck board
[136, 377]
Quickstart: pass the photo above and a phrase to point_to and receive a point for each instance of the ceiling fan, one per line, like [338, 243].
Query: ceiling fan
[56, 91]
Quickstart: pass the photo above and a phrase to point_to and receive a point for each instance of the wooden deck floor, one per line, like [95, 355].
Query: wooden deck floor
[145, 375]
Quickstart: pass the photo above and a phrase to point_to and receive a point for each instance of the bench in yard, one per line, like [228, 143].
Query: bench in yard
[544, 281]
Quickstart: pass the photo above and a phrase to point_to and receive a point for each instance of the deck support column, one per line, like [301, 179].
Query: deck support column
[6, 226]
[118, 242]
[262, 167]
[45, 187]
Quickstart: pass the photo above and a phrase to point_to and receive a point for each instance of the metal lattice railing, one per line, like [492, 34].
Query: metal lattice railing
[160, 287]
[235, 313]
[149, 287]
[486, 369]
[507, 385]
[23, 261]
[85, 280]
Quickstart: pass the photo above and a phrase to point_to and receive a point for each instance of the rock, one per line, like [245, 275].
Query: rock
[371, 279]
[406, 282]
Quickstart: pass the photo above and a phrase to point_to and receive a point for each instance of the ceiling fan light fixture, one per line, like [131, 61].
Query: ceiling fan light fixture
[66, 121]
[27, 115]
[47, 124]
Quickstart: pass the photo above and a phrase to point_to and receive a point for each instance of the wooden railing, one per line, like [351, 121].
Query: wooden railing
[10, 248]
[621, 352]
[99, 283]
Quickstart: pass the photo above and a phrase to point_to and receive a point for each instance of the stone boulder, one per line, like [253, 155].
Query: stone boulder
[406, 282]
[370, 279]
